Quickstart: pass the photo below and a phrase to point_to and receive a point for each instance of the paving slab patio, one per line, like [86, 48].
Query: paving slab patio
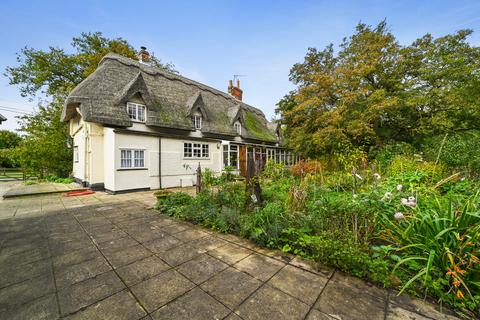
[112, 257]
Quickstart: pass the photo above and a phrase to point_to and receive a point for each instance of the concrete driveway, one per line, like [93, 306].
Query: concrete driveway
[111, 257]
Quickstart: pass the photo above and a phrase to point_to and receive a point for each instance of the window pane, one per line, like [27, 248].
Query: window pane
[234, 158]
[205, 149]
[139, 159]
[187, 150]
[197, 122]
[125, 158]
[131, 111]
[141, 113]
[197, 150]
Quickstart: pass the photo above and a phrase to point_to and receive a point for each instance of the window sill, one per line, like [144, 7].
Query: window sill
[196, 158]
[129, 169]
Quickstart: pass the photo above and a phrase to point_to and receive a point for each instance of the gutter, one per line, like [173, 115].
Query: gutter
[160, 162]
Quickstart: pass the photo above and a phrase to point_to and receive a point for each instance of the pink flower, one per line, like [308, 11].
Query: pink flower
[398, 216]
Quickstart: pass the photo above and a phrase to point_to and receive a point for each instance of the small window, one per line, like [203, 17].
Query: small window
[196, 150]
[132, 158]
[197, 122]
[238, 128]
[136, 111]
[75, 153]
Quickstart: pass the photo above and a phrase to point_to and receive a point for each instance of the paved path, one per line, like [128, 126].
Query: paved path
[110, 257]
[21, 189]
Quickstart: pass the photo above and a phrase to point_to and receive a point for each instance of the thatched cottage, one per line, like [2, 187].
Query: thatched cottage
[135, 127]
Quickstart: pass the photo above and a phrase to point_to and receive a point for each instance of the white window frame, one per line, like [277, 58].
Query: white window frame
[196, 150]
[271, 154]
[75, 154]
[197, 122]
[238, 128]
[130, 159]
[136, 114]
[227, 148]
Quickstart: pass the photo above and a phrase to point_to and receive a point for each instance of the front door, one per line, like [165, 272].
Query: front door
[243, 160]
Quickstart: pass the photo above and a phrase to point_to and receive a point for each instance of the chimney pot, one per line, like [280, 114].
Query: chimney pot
[143, 55]
[235, 91]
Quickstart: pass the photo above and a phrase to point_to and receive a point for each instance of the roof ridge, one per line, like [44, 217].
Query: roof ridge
[172, 76]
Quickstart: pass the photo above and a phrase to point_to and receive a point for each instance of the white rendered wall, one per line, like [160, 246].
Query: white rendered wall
[109, 158]
[136, 178]
[175, 167]
[77, 133]
[95, 152]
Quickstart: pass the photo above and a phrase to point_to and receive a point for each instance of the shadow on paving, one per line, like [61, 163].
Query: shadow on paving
[121, 260]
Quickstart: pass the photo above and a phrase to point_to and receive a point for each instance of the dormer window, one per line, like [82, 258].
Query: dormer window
[136, 111]
[197, 122]
[238, 127]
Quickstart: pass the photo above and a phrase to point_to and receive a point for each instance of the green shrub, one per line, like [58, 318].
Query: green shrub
[459, 151]
[264, 224]
[384, 155]
[53, 178]
[415, 170]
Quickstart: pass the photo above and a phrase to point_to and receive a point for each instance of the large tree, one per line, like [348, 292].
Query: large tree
[52, 74]
[374, 91]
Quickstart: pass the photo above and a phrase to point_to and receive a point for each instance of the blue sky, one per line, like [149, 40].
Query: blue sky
[210, 41]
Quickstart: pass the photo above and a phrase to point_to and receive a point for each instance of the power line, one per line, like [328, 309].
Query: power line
[14, 110]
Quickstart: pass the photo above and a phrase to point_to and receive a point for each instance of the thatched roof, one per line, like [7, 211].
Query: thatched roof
[170, 99]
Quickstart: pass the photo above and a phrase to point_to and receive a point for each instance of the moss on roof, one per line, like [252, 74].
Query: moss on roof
[257, 129]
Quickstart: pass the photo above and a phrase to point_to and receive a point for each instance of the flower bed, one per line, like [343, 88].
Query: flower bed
[415, 229]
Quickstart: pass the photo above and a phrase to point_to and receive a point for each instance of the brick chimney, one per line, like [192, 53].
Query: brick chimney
[143, 55]
[235, 91]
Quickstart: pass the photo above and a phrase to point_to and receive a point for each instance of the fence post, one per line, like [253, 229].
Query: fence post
[199, 179]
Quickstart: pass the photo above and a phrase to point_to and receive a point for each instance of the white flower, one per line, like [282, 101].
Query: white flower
[354, 196]
[376, 176]
[358, 176]
[398, 216]
[410, 202]
[388, 195]
[399, 187]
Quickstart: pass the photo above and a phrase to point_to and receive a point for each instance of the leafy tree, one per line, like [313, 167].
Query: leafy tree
[53, 74]
[56, 72]
[8, 141]
[45, 147]
[375, 91]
